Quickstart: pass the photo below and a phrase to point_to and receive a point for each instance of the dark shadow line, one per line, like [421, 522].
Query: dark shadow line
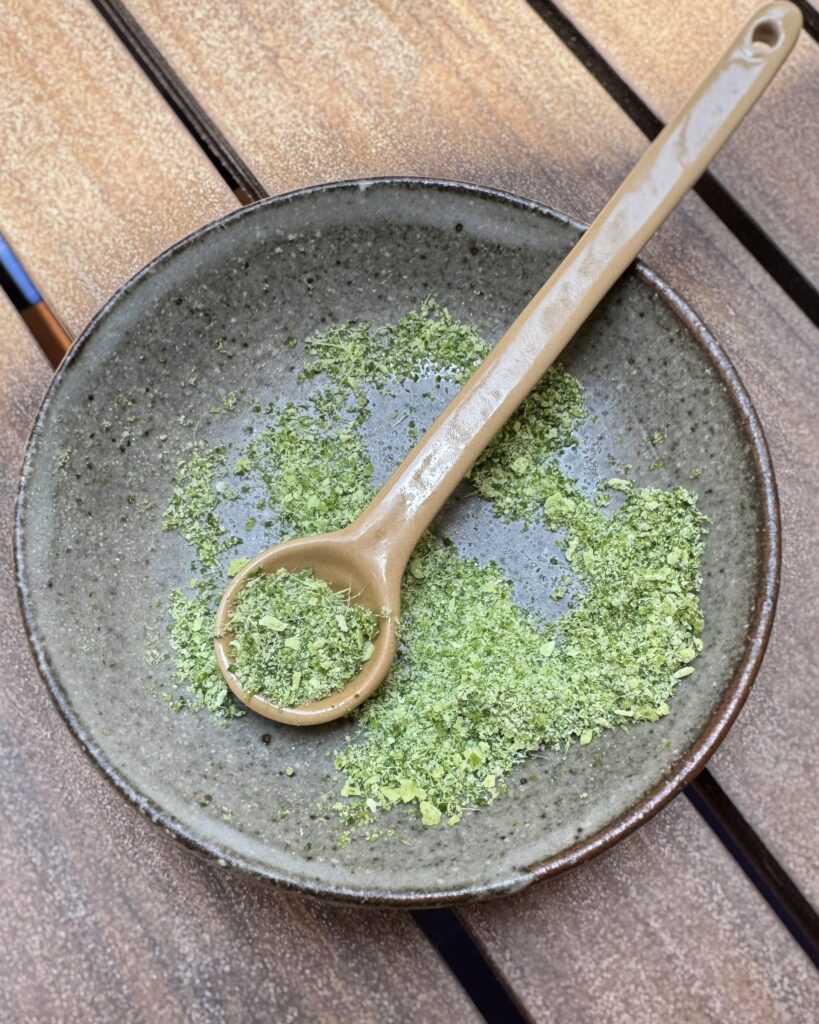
[463, 956]
[810, 18]
[719, 200]
[756, 860]
[184, 104]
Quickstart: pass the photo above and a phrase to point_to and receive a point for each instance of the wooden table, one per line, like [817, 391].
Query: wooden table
[123, 130]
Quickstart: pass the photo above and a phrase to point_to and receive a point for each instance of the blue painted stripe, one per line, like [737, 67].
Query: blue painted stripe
[14, 279]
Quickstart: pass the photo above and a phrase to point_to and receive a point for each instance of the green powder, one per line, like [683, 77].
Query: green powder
[518, 472]
[295, 639]
[355, 355]
[479, 683]
[193, 507]
[191, 636]
[315, 471]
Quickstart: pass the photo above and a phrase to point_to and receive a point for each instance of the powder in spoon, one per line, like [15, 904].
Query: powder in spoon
[295, 639]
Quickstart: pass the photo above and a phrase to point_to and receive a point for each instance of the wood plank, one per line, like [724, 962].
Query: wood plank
[653, 931]
[770, 165]
[105, 918]
[321, 91]
[484, 91]
[98, 174]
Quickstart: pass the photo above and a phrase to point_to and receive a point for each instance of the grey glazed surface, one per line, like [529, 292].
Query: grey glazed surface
[96, 568]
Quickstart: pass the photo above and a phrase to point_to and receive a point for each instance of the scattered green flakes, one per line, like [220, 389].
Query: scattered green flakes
[519, 471]
[657, 438]
[545, 494]
[431, 339]
[229, 401]
[192, 510]
[656, 464]
[479, 683]
[385, 833]
[560, 588]
[426, 340]
[196, 671]
[295, 639]
[315, 472]
[123, 401]
[154, 654]
[289, 771]
[696, 473]
[106, 425]
[430, 815]
[235, 564]
[62, 458]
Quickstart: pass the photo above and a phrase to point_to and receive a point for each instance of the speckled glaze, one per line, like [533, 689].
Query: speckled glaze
[94, 567]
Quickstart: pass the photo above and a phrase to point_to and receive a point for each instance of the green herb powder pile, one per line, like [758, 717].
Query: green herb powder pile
[295, 639]
[479, 682]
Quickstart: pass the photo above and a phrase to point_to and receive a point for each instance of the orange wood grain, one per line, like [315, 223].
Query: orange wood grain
[98, 175]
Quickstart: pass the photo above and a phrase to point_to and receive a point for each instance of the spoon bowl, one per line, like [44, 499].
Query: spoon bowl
[350, 565]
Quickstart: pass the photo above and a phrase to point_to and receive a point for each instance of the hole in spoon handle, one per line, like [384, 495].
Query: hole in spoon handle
[772, 31]
[766, 35]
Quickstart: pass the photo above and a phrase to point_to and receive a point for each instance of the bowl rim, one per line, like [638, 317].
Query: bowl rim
[681, 772]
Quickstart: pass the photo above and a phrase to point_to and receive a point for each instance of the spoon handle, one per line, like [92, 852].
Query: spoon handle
[415, 492]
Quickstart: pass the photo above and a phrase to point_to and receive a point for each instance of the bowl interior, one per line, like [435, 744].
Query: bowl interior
[96, 568]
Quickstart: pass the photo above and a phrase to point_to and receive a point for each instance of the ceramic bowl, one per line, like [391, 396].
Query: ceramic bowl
[95, 568]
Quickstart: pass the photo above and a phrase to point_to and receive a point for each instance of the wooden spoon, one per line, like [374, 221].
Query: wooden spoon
[368, 558]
